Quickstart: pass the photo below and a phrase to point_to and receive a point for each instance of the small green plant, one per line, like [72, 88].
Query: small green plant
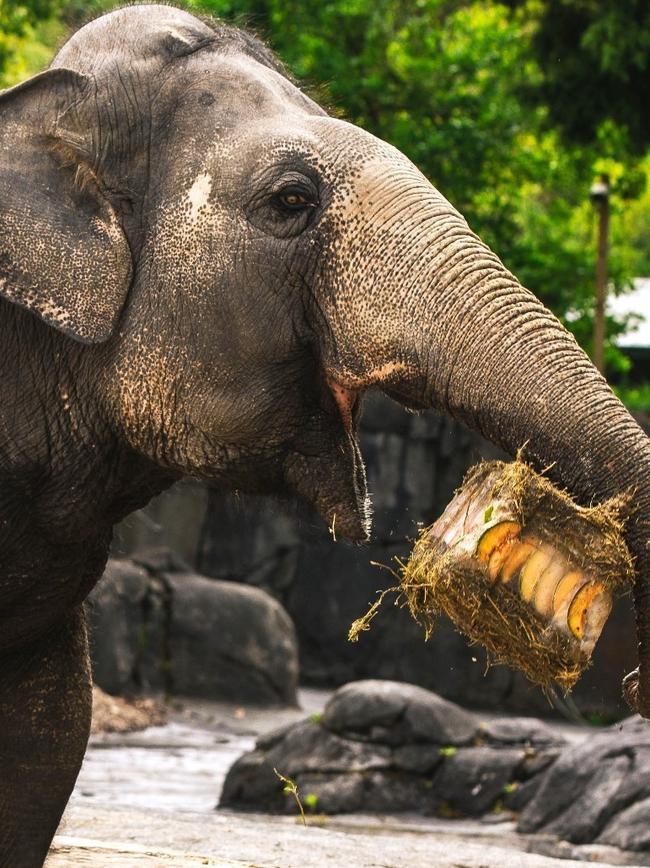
[596, 718]
[316, 717]
[448, 750]
[291, 789]
[447, 812]
[511, 787]
[311, 802]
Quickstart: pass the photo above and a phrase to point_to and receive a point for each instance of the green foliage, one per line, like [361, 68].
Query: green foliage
[465, 89]
[634, 223]
[28, 29]
[636, 398]
[595, 62]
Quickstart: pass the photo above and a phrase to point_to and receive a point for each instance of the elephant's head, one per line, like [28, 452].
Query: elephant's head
[241, 267]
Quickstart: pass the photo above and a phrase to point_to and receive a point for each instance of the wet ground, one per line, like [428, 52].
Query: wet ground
[149, 799]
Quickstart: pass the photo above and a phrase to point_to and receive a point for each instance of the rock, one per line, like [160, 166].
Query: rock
[172, 520]
[230, 641]
[336, 794]
[520, 731]
[519, 795]
[271, 738]
[387, 747]
[333, 773]
[181, 633]
[333, 776]
[421, 759]
[629, 830]
[120, 635]
[250, 783]
[470, 781]
[390, 792]
[537, 760]
[160, 559]
[395, 713]
[590, 783]
[309, 747]
[359, 706]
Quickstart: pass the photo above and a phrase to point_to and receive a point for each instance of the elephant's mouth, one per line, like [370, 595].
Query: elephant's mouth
[326, 467]
[348, 402]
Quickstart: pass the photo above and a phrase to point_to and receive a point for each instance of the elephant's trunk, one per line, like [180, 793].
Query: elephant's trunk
[514, 374]
[450, 327]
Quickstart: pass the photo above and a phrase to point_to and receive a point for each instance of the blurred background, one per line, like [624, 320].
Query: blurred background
[531, 117]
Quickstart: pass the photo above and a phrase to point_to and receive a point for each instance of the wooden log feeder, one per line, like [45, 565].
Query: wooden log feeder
[521, 569]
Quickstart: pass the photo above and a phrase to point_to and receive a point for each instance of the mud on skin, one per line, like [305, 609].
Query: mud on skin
[201, 272]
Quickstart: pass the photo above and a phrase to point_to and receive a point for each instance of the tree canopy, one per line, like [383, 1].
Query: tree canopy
[594, 57]
[510, 108]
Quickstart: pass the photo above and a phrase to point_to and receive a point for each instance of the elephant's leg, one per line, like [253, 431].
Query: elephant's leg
[45, 706]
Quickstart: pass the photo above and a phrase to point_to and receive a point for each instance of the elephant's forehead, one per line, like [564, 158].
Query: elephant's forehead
[133, 31]
[256, 87]
[224, 93]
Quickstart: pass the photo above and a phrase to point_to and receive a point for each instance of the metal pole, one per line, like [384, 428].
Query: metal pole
[600, 197]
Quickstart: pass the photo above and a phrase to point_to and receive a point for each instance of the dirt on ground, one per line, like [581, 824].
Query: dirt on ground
[114, 714]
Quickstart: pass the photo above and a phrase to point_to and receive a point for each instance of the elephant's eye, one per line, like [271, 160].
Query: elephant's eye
[294, 198]
[286, 207]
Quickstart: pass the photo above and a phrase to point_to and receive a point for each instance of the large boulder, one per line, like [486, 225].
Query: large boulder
[394, 713]
[127, 610]
[230, 641]
[158, 627]
[389, 747]
[597, 790]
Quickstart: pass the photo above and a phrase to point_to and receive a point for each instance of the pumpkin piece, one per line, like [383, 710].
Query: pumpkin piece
[532, 571]
[566, 589]
[517, 557]
[494, 537]
[545, 587]
[499, 556]
[584, 610]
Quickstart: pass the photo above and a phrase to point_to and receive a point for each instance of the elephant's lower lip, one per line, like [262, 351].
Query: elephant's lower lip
[346, 400]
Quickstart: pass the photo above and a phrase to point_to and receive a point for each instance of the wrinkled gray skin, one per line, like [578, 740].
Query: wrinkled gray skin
[201, 274]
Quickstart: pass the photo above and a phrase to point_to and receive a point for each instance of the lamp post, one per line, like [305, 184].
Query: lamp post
[599, 195]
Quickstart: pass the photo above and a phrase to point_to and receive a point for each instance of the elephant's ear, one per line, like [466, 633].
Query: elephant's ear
[63, 253]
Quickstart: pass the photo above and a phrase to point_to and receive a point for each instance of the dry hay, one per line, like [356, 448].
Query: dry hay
[114, 714]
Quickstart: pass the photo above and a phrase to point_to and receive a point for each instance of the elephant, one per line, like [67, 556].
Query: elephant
[201, 274]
